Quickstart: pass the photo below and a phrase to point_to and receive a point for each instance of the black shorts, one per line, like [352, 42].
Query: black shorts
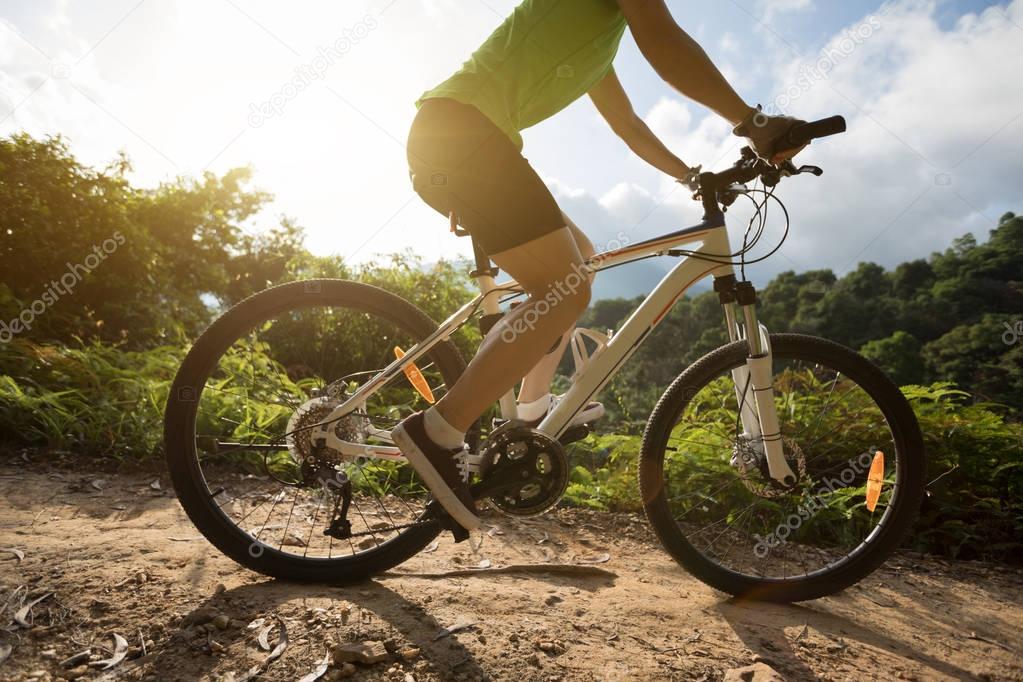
[462, 162]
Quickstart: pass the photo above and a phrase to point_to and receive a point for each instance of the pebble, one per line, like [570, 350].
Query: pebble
[75, 673]
[410, 653]
[222, 622]
[360, 652]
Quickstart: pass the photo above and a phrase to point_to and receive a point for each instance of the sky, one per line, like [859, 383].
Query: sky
[317, 98]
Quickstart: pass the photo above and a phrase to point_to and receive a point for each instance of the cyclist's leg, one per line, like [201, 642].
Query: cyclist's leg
[551, 269]
[537, 383]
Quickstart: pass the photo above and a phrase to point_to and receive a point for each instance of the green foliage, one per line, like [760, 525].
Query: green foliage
[91, 372]
[975, 458]
[604, 473]
[91, 398]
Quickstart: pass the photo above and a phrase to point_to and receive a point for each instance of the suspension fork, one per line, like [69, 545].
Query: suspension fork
[754, 381]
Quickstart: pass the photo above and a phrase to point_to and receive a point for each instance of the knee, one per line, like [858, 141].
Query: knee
[573, 294]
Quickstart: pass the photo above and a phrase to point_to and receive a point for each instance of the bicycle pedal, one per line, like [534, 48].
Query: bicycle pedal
[458, 533]
[576, 433]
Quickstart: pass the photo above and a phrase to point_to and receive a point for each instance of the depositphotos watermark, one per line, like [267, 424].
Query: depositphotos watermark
[810, 508]
[1013, 333]
[559, 291]
[305, 74]
[57, 288]
[828, 59]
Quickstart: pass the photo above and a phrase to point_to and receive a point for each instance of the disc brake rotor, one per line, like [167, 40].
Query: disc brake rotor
[752, 468]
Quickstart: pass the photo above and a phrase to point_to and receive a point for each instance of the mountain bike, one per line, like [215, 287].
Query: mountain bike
[779, 467]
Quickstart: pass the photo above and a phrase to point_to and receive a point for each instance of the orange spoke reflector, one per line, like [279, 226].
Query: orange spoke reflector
[874, 480]
[415, 377]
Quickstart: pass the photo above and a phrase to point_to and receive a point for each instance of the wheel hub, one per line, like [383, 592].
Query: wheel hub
[751, 464]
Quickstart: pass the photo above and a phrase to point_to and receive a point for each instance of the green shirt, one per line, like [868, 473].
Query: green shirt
[545, 55]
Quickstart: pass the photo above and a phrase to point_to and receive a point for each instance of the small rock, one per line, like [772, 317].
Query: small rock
[360, 652]
[410, 653]
[345, 671]
[553, 599]
[221, 588]
[758, 672]
[199, 617]
[550, 647]
[222, 622]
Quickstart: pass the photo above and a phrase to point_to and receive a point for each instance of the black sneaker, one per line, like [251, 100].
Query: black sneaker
[436, 466]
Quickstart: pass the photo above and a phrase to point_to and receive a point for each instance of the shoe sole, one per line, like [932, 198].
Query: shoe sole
[434, 481]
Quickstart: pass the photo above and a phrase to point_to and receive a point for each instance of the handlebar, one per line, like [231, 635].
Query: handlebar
[714, 187]
[803, 133]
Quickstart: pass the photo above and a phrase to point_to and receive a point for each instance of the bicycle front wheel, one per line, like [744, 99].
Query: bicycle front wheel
[849, 435]
[240, 416]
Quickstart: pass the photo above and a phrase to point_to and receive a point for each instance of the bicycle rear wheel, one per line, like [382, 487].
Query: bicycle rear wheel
[718, 513]
[240, 459]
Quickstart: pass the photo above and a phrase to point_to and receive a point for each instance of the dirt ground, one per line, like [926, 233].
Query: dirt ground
[116, 555]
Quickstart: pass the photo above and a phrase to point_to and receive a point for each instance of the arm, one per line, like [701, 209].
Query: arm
[679, 60]
[613, 104]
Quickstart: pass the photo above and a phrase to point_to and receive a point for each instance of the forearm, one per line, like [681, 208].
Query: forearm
[647, 146]
[680, 60]
[684, 65]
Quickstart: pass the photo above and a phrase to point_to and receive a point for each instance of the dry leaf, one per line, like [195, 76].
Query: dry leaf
[120, 651]
[319, 671]
[18, 554]
[282, 644]
[21, 617]
[457, 627]
[155, 485]
[599, 559]
[432, 547]
[264, 637]
[5, 651]
[98, 484]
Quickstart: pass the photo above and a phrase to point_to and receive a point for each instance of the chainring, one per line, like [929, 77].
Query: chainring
[536, 465]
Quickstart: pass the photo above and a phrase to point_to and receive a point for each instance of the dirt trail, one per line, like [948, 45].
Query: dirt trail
[120, 557]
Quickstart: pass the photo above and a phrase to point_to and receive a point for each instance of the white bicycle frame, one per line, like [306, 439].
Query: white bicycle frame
[755, 378]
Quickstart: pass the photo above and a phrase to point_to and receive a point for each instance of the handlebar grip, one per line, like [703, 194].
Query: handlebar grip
[803, 133]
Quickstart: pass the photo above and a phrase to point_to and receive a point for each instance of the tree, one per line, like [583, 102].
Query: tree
[899, 356]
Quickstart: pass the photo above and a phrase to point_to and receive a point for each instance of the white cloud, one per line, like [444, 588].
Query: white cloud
[934, 142]
[769, 9]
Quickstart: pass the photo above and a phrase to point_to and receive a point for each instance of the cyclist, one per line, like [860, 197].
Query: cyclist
[464, 153]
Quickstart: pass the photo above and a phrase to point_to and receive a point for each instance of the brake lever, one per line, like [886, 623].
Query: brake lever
[816, 170]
